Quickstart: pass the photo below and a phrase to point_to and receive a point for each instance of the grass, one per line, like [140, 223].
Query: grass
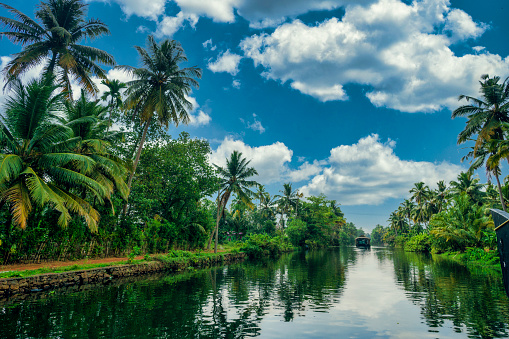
[43, 270]
[172, 256]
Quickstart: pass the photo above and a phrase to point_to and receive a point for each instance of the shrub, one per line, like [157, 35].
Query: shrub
[419, 243]
[258, 246]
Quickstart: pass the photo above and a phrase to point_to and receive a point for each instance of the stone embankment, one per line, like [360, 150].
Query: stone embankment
[102, 275]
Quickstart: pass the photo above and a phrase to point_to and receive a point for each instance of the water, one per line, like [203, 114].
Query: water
[338, 293]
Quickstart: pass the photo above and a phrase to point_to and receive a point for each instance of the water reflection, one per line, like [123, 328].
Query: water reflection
[345, 292]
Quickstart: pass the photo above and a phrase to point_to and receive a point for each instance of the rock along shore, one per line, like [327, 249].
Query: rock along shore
[102, 275]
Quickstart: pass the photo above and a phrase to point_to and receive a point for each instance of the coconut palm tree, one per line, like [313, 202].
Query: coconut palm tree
[87, 119]
[233, 180]
[113, 95]
[160, 88]
[53, 38]
[37, 165]
[485, 115]
[466, 183]
[287, 201]
[420, 192]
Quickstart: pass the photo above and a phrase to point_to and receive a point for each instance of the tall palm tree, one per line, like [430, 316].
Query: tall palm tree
[233, 180]
[159, 89]
[113, 95]
[53, 38]
[287, 201]
[489, 154]
[87, 119]
[485, 115]
[37, 165]
[420, 192]
[466, 183]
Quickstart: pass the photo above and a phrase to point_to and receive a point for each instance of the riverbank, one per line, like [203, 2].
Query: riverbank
[102, 275]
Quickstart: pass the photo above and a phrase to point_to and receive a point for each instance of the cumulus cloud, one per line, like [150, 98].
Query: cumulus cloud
[147, 9]
[236, 84]
[226, 62]
[270, 160]
[169, 25]
[401, 51]
[306, 171]
[200, 119]
[209, 45]
[369, 172]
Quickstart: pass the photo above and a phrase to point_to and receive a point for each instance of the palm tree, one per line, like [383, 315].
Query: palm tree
[485, 115]
[113, 94]
[407, 206]
[396, 222]
[90, 127]
[287, 201]
[159, 89]
[466, 183]
[233, 179]
[420, 192]
[37, 166]
[267, 204]
[55, 36]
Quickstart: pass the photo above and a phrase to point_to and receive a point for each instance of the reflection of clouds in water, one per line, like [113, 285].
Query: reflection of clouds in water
[370, 289]
[373, 298]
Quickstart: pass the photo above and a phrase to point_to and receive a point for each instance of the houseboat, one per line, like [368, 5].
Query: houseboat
[362, 242]
[501, 220]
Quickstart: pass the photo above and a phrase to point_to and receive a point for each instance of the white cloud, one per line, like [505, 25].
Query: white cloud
[209, 45]
[200, 119]
[461, 25]
[142, 29]
[305, 171]
[217, 10]
[147, 9]
[226, 62]
[369, 172]
[169, 25]
[394, 48]
[256, 125]
[236, 84]
[270, 161]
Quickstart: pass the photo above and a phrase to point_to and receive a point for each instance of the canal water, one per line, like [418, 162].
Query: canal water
[335, 293]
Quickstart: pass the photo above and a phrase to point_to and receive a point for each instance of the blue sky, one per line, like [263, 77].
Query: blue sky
[351, 98]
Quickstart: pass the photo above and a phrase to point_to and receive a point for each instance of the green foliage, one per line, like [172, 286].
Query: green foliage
[484, 256]
[419, 243]
[296, 232]
[258, 246]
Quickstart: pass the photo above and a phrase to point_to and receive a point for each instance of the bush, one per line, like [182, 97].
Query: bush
[419, 243]
[258, 246]
[296, 232]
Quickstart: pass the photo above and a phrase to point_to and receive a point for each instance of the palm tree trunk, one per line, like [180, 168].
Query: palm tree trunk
[500, 191]
[51, 67]
[136, 160]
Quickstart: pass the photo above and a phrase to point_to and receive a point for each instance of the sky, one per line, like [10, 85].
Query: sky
[350, 98]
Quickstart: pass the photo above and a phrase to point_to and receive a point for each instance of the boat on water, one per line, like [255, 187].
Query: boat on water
[362, 242]
[501, 220]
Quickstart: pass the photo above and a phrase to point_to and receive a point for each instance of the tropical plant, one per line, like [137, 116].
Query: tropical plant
[287, 201]
[485, 115]
[93, 139]
[466, 183]
[113, 96]
[54, 38]
[233, 180]
[38, 168]
[159, 88]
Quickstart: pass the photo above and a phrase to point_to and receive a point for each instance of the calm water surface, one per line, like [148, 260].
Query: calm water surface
[338, 293]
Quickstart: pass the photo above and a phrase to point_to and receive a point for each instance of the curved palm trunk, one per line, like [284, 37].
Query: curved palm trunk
[51, 68]
[500, 192]
[135, 164]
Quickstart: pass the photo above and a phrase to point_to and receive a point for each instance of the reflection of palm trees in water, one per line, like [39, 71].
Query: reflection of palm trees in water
[466, 297]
